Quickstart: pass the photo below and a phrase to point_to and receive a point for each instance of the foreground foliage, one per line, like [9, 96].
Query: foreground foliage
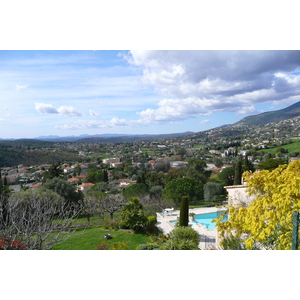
[267, 221]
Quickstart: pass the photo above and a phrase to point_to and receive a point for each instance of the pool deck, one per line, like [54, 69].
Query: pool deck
[207, 237]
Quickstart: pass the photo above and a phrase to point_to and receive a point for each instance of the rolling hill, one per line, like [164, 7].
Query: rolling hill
[272, 116]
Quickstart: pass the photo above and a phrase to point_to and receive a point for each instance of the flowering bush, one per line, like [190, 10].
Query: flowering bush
[6, 244]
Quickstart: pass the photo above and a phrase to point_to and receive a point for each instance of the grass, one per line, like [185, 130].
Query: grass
[88, 239]
[196, 146]
[150, 152]
[293, 147]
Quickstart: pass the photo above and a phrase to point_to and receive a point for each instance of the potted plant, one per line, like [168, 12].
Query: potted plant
[192, 216]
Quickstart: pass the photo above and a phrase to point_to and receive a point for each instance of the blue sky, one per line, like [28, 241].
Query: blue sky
[138, 92]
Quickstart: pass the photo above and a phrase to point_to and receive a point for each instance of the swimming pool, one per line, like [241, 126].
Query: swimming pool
[204, 219]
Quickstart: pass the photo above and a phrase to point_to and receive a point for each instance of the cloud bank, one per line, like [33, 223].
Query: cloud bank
[196, 83]
[193, 84]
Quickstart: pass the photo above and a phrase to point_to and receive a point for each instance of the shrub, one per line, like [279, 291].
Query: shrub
[182, 238]
[119, 246]
[147, 247]
[102, 246]
[233, 243]
[6, 244]
[133, 215]
[151, 223]
[109, 223]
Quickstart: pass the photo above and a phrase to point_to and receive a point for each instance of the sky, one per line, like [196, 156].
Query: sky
[140, 92]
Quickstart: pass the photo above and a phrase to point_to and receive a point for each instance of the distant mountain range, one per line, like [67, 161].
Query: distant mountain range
[272, 116]
[73, 138]
[130, 138]
[103, 138]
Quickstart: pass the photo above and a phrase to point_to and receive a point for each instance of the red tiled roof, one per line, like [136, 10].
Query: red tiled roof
[87, 184]
[73, 179]
[36, 185]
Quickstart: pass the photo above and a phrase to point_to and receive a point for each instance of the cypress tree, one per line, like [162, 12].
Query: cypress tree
[184, 212]
[105, 176]
[248, 166]
[238, 171]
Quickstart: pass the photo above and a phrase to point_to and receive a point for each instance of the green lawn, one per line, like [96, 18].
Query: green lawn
[88, 239]
[293, 147]
[150, 152]
[199, 145]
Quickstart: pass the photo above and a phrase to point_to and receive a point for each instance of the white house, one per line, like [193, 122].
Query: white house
[237, 195]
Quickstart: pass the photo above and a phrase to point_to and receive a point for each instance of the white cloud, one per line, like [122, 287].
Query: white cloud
[93, 113]
[21, 87]
[114, 122]
[67, 111]
[117, 122]
[202, 82]
[204, 121]
[176, 109]
[44, 108]
[5, 114]
[248, 110]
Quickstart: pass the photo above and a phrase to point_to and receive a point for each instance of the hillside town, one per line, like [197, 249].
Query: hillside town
[219, 148]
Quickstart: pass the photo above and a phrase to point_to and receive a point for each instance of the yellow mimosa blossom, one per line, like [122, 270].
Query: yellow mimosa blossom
[267, 220]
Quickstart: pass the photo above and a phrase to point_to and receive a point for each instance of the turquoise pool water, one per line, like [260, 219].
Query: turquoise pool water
[203, 219]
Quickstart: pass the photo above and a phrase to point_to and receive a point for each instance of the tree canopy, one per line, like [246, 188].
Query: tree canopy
[135, 190]
[132, 215]
[271, 163]
[195, 169]
[177, 188]
[267, 220]
[64, 189]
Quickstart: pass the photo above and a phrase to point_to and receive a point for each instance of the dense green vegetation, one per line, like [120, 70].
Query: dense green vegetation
[13, 156]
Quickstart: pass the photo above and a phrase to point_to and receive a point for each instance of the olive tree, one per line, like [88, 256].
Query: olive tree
[112, 204]
[37, 219]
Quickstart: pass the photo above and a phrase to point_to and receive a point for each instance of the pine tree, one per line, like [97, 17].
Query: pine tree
[184, 212]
